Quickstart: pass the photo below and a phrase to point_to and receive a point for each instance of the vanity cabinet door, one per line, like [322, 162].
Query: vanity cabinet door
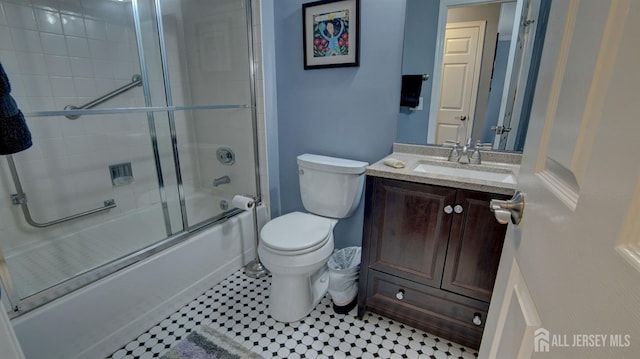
[475, 246]
[409, 228]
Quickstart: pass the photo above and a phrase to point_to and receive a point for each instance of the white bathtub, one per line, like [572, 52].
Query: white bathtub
[35, 267]
[96, 320]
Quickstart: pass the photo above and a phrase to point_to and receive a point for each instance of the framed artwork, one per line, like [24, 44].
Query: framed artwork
[331, 33]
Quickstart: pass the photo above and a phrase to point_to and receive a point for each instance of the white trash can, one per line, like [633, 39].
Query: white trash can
[344, 270]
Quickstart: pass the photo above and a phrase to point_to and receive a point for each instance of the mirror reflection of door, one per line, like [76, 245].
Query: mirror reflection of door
[462, 56]
[423, 53]
[508, 121]
[488, 82]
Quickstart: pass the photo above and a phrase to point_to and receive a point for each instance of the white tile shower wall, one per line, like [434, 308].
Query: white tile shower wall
[180, 94]
[69, 52]
[217, 63]
[99, 140]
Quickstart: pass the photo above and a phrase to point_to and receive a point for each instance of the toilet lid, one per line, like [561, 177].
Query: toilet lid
[295, 231]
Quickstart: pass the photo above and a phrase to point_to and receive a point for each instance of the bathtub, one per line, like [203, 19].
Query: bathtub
[96, 320]
[52, 260]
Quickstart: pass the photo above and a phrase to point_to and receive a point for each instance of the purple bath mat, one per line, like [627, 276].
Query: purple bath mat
[206, 343]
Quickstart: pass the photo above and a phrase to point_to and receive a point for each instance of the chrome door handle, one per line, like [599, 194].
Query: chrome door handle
[499, 130]
[512, 208]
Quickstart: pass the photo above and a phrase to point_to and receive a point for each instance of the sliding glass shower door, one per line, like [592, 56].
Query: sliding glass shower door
[143, 123]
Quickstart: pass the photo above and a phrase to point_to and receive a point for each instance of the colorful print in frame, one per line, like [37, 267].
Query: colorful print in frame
[331, 33]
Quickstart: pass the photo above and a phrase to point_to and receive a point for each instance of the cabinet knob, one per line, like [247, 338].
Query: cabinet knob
[448, 209]
[458, 209]
[477, 320]
[400, 294]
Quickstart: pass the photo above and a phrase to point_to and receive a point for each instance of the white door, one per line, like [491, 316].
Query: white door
[463, 44]
[568, 284]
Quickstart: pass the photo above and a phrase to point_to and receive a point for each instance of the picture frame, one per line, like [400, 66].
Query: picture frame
[331, 33]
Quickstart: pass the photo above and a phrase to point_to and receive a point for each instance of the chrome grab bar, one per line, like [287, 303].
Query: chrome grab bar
[136, 80]
[21, 199]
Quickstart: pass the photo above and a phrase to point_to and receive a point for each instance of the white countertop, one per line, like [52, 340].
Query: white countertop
[436, 170]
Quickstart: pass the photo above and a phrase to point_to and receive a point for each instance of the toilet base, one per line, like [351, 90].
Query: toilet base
[294, 297]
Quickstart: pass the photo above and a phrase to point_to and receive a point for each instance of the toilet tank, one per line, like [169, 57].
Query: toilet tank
[330, 187]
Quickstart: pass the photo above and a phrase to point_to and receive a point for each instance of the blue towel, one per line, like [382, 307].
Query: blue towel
[410, 90]
[5, 86]
[14, 133]
[8, 106]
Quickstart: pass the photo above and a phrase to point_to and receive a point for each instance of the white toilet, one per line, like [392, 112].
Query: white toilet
[295, 247]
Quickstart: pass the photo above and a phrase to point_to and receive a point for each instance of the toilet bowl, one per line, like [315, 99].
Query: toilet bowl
[295, 247]
[299, 274]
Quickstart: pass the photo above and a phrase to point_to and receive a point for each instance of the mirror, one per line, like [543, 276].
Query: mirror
[480, 56]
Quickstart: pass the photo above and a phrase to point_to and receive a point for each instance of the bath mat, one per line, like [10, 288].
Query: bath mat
[206, 343]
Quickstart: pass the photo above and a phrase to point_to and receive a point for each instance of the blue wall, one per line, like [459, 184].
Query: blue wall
[343, 112]
[420, 38]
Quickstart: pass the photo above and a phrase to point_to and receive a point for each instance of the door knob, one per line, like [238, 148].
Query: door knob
[512, 208]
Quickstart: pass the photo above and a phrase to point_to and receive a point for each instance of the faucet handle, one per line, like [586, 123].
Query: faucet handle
[476, 158]
[454, 154]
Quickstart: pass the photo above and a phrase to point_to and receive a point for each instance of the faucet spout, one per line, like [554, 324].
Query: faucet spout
[464, 154]
[221, 180]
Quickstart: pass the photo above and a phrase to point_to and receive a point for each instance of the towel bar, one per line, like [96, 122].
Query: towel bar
[136, 80]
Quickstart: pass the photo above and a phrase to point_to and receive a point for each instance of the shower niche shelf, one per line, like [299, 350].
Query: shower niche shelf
[121, 174]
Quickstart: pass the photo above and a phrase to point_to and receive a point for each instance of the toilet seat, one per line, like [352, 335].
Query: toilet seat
[296, 233]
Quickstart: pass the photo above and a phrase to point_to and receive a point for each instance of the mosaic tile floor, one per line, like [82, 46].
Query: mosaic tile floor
[237, 307]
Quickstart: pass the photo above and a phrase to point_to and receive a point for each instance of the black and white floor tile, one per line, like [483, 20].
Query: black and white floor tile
[237, 307]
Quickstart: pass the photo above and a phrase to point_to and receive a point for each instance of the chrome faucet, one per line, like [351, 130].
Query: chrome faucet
[476, 157]
[221, 180]
[466, 154]
[458, 154]
[463, 157]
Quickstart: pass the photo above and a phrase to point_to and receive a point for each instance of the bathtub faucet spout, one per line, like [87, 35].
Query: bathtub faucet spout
[221, 180]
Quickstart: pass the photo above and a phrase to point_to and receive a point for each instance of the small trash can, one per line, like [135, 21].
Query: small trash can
[344, 269]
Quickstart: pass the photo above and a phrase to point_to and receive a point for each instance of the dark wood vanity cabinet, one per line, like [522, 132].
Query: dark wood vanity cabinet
[430, 257]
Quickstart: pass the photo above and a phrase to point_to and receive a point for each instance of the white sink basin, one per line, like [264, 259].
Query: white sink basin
[479, 173]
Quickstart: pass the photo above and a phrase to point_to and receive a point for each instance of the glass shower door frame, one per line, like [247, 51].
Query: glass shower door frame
[19, 305]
